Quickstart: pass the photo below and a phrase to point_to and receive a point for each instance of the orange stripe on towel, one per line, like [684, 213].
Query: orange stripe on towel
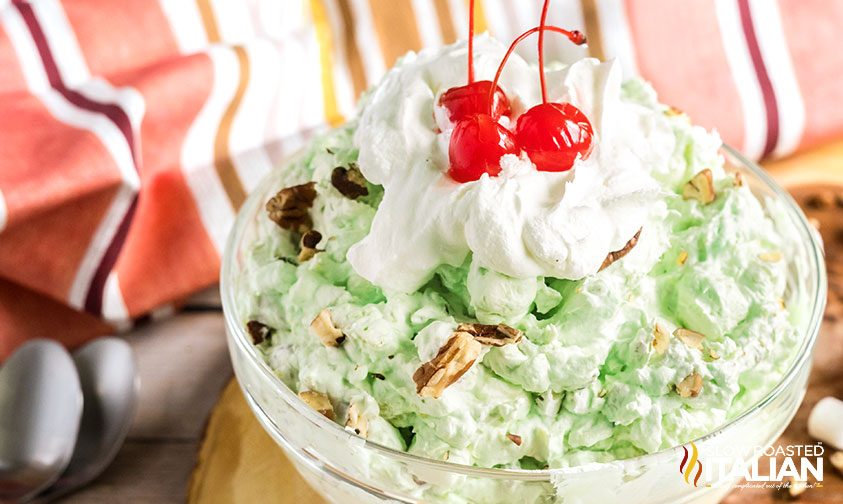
[591, 17]
[225, 169]
[326, 55]
[222, 153]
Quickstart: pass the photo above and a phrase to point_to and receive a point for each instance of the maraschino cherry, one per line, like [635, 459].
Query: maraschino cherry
[554, 134]
[477, 141]
[462, 102]
[477, 145]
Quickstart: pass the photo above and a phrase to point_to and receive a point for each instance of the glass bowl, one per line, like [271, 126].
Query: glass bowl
[346, 468]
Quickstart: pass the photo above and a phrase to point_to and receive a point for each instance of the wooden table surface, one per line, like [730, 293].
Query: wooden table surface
[184, 367]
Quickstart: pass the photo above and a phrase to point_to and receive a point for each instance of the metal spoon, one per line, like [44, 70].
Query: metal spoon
[40, 409]
[110, 384]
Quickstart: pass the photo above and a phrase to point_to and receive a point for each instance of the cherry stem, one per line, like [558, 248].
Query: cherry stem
[542, 25]
[471, 42]
[574, 36]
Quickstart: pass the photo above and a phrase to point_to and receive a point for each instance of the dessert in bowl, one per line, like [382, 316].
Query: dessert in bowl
[539, 298]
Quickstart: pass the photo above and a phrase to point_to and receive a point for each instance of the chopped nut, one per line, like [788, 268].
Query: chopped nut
[683, 256]
[602, 393]
[738, 180]
[323, 327]
[690, 386]
[349, 182]
[836, 460]
[259, 331]
[661, 339]
[691, 338]
[782, 304]
[492, 335]
[289, 208]
[713, 354]
[796, 487]
[356, 422]
[673, 111]
[450, 363]
[307, 245]
[700, 188]
[771, 257]
[616, 255]
[318, 401]
[514, 438]
[311, 239]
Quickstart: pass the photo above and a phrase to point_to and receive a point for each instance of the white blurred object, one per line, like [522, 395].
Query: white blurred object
[826, 421]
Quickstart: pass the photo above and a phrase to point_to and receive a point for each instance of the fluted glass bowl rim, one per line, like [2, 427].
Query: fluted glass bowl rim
[245, 346]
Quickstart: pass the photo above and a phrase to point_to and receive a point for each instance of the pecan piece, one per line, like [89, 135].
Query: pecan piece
[691, 386]
[349, 181]
[289, 208]
[356, 421]
[259, 331]
[318, 401]
[452, 361]
[616, 255]
[515, 438]
[770, 257]
[700, 188]
[307, 245]
[691, 338]
[323, 327]
[661, 339]
[672, 111]
[492, 335]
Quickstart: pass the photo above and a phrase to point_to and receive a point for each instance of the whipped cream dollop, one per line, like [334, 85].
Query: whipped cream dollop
[522, 223]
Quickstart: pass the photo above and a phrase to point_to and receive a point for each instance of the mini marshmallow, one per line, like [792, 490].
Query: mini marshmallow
[826, 422]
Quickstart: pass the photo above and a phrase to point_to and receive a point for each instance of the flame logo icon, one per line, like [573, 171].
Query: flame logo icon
[690, 462]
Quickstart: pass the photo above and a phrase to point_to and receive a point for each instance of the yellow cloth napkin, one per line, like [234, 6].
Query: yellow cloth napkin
[239, 462]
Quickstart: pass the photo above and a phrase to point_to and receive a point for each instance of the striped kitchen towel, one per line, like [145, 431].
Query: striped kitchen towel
[131, 131]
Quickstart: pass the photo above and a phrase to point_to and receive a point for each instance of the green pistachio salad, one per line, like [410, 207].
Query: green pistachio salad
[508, 301]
